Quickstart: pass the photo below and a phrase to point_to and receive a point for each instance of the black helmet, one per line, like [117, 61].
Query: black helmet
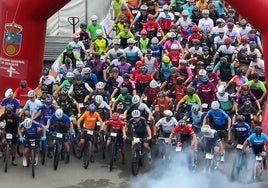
[223, 59]
[8, 108]
[247, 103]
[161, 94]
[255, 75]
[67, 61]
[253, 55]
[83, 25]
[64, 91]
[92, 108]
[182, 123]
[258, 130]
[240, 119]
[123, 90]
[190, 91]
[196, 42]
[180, 81]
[78, 77]
[44, 88]
[144, 70]
[239, 71]
[45, 71]
[126, 76]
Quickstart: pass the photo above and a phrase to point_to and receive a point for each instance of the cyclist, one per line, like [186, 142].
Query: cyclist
[12, 122]
[143, 80]
[90, 118]
[140, 129]
[44, 94]
[10, 100]
[21, 92]
[66, 83]
[31, 106]
[100, 90]
[47, 80]
[115, 125]
[220, 121]
[124, 97]
[31, 129]
[113, 80]
[61, 123]
[196, 118]
[68, 53]
[102, 107]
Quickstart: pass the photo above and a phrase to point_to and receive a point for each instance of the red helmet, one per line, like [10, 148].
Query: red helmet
[194, 28]
[227, 41]
[138, 64]
[230, 24]
[115, 116]
[245, 87]
[143, 32]
[244, 38]
[150, 17]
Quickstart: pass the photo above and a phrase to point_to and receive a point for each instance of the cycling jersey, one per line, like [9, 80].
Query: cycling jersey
[32, 131]
[66, 104]
[123, 36]
[12, 102]
[80, 91]
[21, 94]
[139, 127]
[46, 112]
[218, 118]
[92, 28]
[192, 100]
[143, 44]
[126, 100]
[211, 140]
[257, 88]
[12, 122]
[100, 45]
[243, 131]
[61, 125]
[32, 106]
[156, 51]
[132, 54]
[115, 126]
[167, 126]
[206, 92]
[90, 119]
[168, 43]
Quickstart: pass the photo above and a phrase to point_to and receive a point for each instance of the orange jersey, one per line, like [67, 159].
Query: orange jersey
[90, 119]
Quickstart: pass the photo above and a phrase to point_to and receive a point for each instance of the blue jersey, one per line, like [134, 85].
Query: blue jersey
[218, 117]
[60, 125]
[257, 141]
[211, 140]
[47, 112]
[243, 131]
[13, 102]
[32, 131]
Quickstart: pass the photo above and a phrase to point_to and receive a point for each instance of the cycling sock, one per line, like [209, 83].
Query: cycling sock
[68, 154]
[13, 158]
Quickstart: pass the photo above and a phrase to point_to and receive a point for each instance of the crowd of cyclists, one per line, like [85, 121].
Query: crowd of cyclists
[181, 68]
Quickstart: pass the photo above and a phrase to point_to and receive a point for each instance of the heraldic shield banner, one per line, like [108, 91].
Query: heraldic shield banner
[12, 39]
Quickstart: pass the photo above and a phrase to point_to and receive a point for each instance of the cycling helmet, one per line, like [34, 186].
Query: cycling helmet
[70, 75]
[161, 94]
[244, 38]
[223, 59]
[185, 13]
[173, 70]
[136, 113]
[215, 105]
[98, 99]
[258, 130]
[67, 61]
[138, 64]
[190, 91]
[45, 71]
[245, 87]
[255, 75]
[99, 32]
[174, 47]
[87, 70]
[171, 35]
[182, 123]
[247, 103]
[91, 108]
[27, 123]
[240, 118]
[64, 91]
[83, 25]
[168, 113]
[115, 116]
[94, 17]
[131, 41]
[204, 79]
[135, 99]
[165, 59]
[154, 40]
[9, 93]
[183, 62]
[126, 76]
[78, 77]
[48, 101]
[153, 84]
[100, 85]
[253, 55]
[79, 64]
[239, 71]
[227, 41]
[8, 108]
[124, 90]
[221, 89]
[116, 41]
[252, 44]
[59, 113]
[144, 70]
[205, 48]
[143, 7]
[115, 69]
[31, 93]
[209, 69]
[150, 17]
[194, 28]
[202, 72]
[196, 42]
[206, 130]
[69, 47]
[195, 108]
[76, 36]
[205, 11]
[179, 80]
[143, 32]
[220, 20]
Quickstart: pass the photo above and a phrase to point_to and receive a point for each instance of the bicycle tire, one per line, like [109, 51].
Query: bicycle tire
[135, 165]
[19, 148]
[33, 162]
[236, 168]
[6, 158]
[102, 142]
[56, 156]
[43, 152]
[112, 156]
[257, 171]
[86, 154]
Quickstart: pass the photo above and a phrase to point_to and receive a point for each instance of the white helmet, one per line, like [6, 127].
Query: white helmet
[135, 99]
[153, 84]
[87, 70]
[59, 113]
[154, 40]
[27, 123]
[168, 113]
[184, 13]
[136, 113]
[174, 47]
[171, 35]
[215, 105]
[130, 40]
[98, 99]
[99, 32]
[79, 64]
[221, 89]
[94, 17]
[9, 93]
[100, 85]
[31, 94]
[165, 7]
[70, 75]
[202, 72]
[205, 129]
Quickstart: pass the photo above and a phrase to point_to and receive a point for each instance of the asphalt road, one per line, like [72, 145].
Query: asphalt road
[159, 175]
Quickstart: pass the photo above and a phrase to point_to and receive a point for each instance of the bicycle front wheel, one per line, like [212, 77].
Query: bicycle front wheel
[6, 158]
[33, 162]
[112, 156]
[135, 162]
[56, 156]
[86, 154]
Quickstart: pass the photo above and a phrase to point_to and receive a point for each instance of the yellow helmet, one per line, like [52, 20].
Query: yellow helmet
[165, 59]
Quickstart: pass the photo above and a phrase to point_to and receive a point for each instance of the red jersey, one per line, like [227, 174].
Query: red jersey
[144, 78]
[186, 130]
[135, 74]
[163, 104]
[206, 92]
[116, 126]
[152, 29]
[179, 92]
[194, 37]
[152, 93]
[214, 78]
[22, 95]
[175, 57]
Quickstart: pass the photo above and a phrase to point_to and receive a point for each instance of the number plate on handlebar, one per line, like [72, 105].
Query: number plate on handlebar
[9, 136]
[32, 143]
[134, 11]
[81, 105]
[258, 158]
[205, 105]
[113, 134]
[136, 140]
[90, 132]
[59, 135]
[178, 148]
[239, 146]
[209, 156]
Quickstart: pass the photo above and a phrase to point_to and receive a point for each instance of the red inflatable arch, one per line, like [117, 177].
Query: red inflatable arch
[22, 38]
[256, 13]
